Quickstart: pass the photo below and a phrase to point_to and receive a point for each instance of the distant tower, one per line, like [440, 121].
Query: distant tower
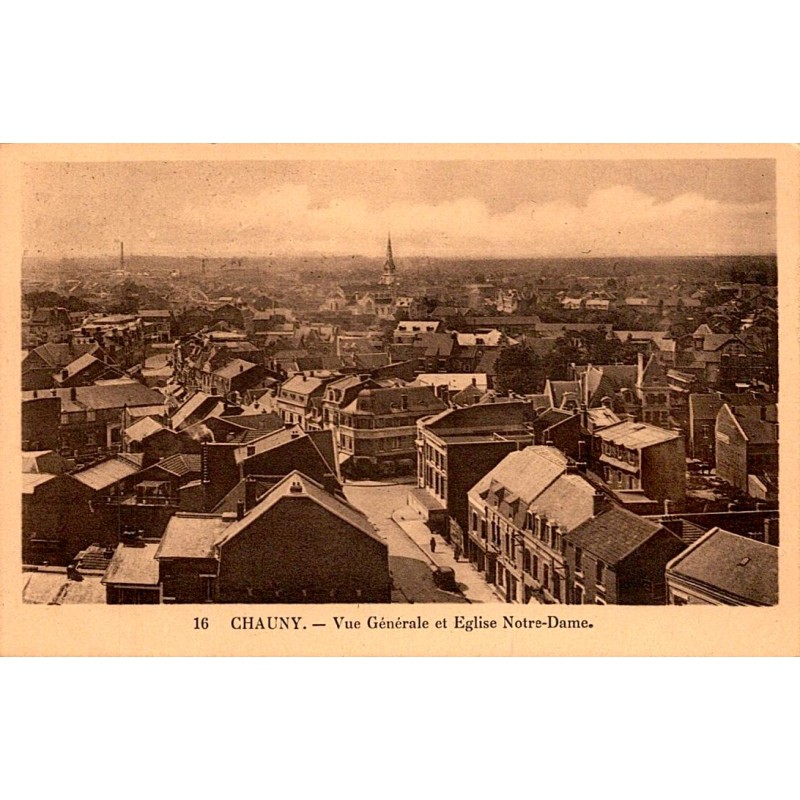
[389, 277]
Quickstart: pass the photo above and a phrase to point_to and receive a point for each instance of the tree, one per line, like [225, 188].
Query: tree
[519, 370]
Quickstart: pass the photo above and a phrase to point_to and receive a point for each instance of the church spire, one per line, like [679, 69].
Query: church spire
[389, 276]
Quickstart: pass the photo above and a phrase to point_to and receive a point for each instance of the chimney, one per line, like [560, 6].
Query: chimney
[639, 368]
[64, 374]
[584, 418]
[667, 504]
[329, 483]
[204, 471]
[771, 531]
[598, 503]
[239, 509]
[35, 394]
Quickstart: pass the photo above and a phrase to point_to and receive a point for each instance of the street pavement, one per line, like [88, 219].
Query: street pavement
[468, 579]
[410, 559]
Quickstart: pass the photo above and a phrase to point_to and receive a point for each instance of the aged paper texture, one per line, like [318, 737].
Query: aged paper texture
[235, 359]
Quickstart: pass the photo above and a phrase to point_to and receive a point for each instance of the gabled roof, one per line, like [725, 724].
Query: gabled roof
[194, 405]
[568, 501]
[615, 534]
[43, 462]
[736, 565]
[143, 428]
[297, 487]
[557, 390]
[235, 367]
[57, 355]
[301, 384]
[180, 464]
[705, 406]
[526, 472]
[756, 429]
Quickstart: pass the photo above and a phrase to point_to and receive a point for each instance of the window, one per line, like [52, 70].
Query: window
[578, 561]
[536, 567]
[600, 573]
[577, 594]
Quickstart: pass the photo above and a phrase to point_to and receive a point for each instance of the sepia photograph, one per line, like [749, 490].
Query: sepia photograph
[369, 379]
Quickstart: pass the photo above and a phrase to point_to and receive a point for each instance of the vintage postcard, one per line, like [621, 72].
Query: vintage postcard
[400, 400]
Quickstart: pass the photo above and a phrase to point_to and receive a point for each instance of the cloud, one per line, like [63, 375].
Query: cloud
[618, 220]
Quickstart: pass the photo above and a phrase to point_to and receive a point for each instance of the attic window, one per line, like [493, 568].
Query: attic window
[744, 562]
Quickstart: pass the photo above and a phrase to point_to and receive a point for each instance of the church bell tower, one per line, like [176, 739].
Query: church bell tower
[389, 276]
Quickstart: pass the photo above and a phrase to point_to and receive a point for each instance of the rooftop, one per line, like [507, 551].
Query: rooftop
[191, 536]
[740, 567]
[526, 473]
[106, 473]
[133, 565]
[635, 435]
[614, 534]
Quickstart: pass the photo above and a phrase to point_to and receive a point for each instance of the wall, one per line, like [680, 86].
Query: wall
[642, 579]
[297, 545]
[40, 423]
[731, 451]
[663, 471]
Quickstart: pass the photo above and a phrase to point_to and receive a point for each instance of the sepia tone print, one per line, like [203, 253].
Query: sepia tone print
[522, 381]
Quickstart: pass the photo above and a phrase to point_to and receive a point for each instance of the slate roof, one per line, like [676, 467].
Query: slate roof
[191, 536]
[194, 405]
[180, 464]
[602, 417]
[526, 473]
[106, 395]
[389, 401]
[303, 385]
[106, 473]
[282, 492]
[30, 480]
[143, 428]
[58, 355]
[435, 344]
[736, 565]
[705, 406]
[614, 534]
[568, 500]
[559, 388]
[235, 367]
[636, 434]
[133, 565]
[757, 430]
[42, 462]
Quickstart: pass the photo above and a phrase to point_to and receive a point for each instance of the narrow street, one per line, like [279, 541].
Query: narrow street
[411, 571]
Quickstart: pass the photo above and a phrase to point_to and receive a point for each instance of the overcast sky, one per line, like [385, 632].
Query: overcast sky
[435, 208]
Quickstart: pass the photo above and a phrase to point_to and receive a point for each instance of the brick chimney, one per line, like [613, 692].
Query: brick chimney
[599, 503]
